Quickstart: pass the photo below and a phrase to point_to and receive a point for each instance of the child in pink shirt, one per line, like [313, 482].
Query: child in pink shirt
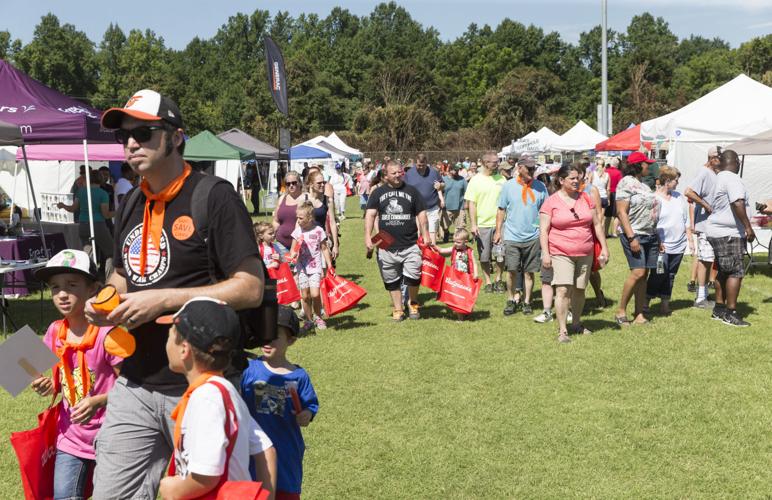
[89, 361]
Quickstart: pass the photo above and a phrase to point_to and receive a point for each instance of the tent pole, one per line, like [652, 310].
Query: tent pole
[243, 189]
[13, 198]
[35, 213]
[90, 204]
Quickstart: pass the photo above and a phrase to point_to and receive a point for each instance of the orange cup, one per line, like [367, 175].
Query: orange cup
[107, 299]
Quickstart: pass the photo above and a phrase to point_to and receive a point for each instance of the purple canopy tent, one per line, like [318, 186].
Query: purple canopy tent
[10, 135]
[45, 116]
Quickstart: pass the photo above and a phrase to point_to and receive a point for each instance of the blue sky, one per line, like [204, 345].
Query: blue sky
[178, 22]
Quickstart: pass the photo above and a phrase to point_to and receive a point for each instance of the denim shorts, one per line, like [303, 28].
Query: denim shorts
[647, 257]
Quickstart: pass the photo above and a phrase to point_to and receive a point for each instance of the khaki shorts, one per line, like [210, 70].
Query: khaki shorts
[571, 271]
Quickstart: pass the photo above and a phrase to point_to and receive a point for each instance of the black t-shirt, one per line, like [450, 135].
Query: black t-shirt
[397, 210]
[181, 262]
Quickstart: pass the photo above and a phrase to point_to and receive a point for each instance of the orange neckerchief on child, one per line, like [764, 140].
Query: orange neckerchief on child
[153, 222]
[179, 411]
[527, 190]
[63, 351]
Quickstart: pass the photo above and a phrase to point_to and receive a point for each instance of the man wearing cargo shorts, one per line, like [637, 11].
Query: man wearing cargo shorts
[517, 225]
[402, 214]
[482, 194]
[160, 264]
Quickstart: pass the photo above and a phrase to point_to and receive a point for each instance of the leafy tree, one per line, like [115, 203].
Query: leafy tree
[61, 57]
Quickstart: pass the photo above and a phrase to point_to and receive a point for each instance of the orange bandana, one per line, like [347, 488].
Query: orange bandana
[527, 190]
[63, 352]
[153, 221]
[179, 411]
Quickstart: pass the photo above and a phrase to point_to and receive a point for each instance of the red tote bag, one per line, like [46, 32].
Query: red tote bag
[36, 452]
[339, 294]
[459, 290]
[431, 268]
[286, 289]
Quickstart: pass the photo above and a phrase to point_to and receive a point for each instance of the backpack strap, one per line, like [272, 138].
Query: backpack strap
[199, 211]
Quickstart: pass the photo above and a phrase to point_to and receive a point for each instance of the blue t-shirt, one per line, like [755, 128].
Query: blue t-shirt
[268, 398]
[98, 197]
[425, 185]
[522, 222]
[454, 192]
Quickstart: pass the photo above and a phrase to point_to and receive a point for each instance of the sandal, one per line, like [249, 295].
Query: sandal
[563, 338]
[622, 321]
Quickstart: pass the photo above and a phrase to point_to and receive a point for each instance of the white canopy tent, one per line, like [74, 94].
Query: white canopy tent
[540, 141]
[759, 144]
[739, 109]
[336, 142]
[580, 137]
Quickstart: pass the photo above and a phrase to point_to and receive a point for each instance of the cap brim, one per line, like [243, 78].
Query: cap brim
[112, 117]
[166, 319]
[44, 273]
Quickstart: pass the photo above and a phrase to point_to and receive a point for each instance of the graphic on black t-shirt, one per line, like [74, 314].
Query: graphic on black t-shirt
[397, 209]
[270, 399]
[157, 260]
[394, 207]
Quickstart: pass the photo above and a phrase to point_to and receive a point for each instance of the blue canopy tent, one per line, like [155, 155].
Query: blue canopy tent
[302, 152]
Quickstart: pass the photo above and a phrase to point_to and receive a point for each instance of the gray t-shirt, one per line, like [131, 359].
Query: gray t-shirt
[704, 185]
[722, 222]
[644, 206]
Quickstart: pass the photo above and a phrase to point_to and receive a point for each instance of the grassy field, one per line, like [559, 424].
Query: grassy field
[496, 408]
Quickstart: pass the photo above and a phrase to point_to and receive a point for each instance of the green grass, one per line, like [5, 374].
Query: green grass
[496, 408]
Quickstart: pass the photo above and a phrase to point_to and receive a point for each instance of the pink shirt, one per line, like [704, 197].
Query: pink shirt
[78, 439]
[310, 257]
[568, 235]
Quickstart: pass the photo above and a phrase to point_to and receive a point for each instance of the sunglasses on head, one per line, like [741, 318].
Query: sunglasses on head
[142, 133]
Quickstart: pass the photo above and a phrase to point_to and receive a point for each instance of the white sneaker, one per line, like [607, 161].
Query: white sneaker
[544, 317]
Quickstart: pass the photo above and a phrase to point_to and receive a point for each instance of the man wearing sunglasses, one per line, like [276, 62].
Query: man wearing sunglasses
[517, 226]
[161, 262]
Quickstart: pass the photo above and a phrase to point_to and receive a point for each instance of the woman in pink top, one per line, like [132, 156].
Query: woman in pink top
[566, 223]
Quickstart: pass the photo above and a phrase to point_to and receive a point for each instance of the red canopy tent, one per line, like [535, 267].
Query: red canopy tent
[626, 140]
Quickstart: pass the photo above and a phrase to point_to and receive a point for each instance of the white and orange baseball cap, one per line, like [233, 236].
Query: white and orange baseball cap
[146, 105]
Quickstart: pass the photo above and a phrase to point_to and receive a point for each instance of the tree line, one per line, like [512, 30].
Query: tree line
[384, 82]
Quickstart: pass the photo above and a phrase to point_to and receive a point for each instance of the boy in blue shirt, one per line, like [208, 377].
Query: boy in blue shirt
[274, 389]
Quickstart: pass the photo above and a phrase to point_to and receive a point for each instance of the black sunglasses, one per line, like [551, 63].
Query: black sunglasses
[576, 215]
[292, 183]
[140, 134]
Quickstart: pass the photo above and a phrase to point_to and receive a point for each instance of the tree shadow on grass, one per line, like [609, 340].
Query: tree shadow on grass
[596, 325]
[744, 309]
[356, 278]
[347, 322]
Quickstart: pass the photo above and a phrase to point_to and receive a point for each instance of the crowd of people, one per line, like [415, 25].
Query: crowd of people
[161, 374]
[556, 220]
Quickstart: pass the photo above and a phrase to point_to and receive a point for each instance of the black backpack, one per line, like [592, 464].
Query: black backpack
[258, 325]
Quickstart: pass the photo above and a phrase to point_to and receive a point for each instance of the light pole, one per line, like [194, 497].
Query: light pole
[604, 127]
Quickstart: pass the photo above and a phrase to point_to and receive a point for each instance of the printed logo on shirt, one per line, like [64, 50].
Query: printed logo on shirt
[183, 228]
[157, 259]
[78, 380]
[270, 399]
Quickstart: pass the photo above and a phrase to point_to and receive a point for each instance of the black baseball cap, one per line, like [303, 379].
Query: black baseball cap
[289, 320]
[146, 105]
[203, 320]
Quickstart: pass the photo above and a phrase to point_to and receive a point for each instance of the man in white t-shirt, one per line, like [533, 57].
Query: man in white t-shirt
[728, 229]
[202, 336]
[700, 192]
[124, 184]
